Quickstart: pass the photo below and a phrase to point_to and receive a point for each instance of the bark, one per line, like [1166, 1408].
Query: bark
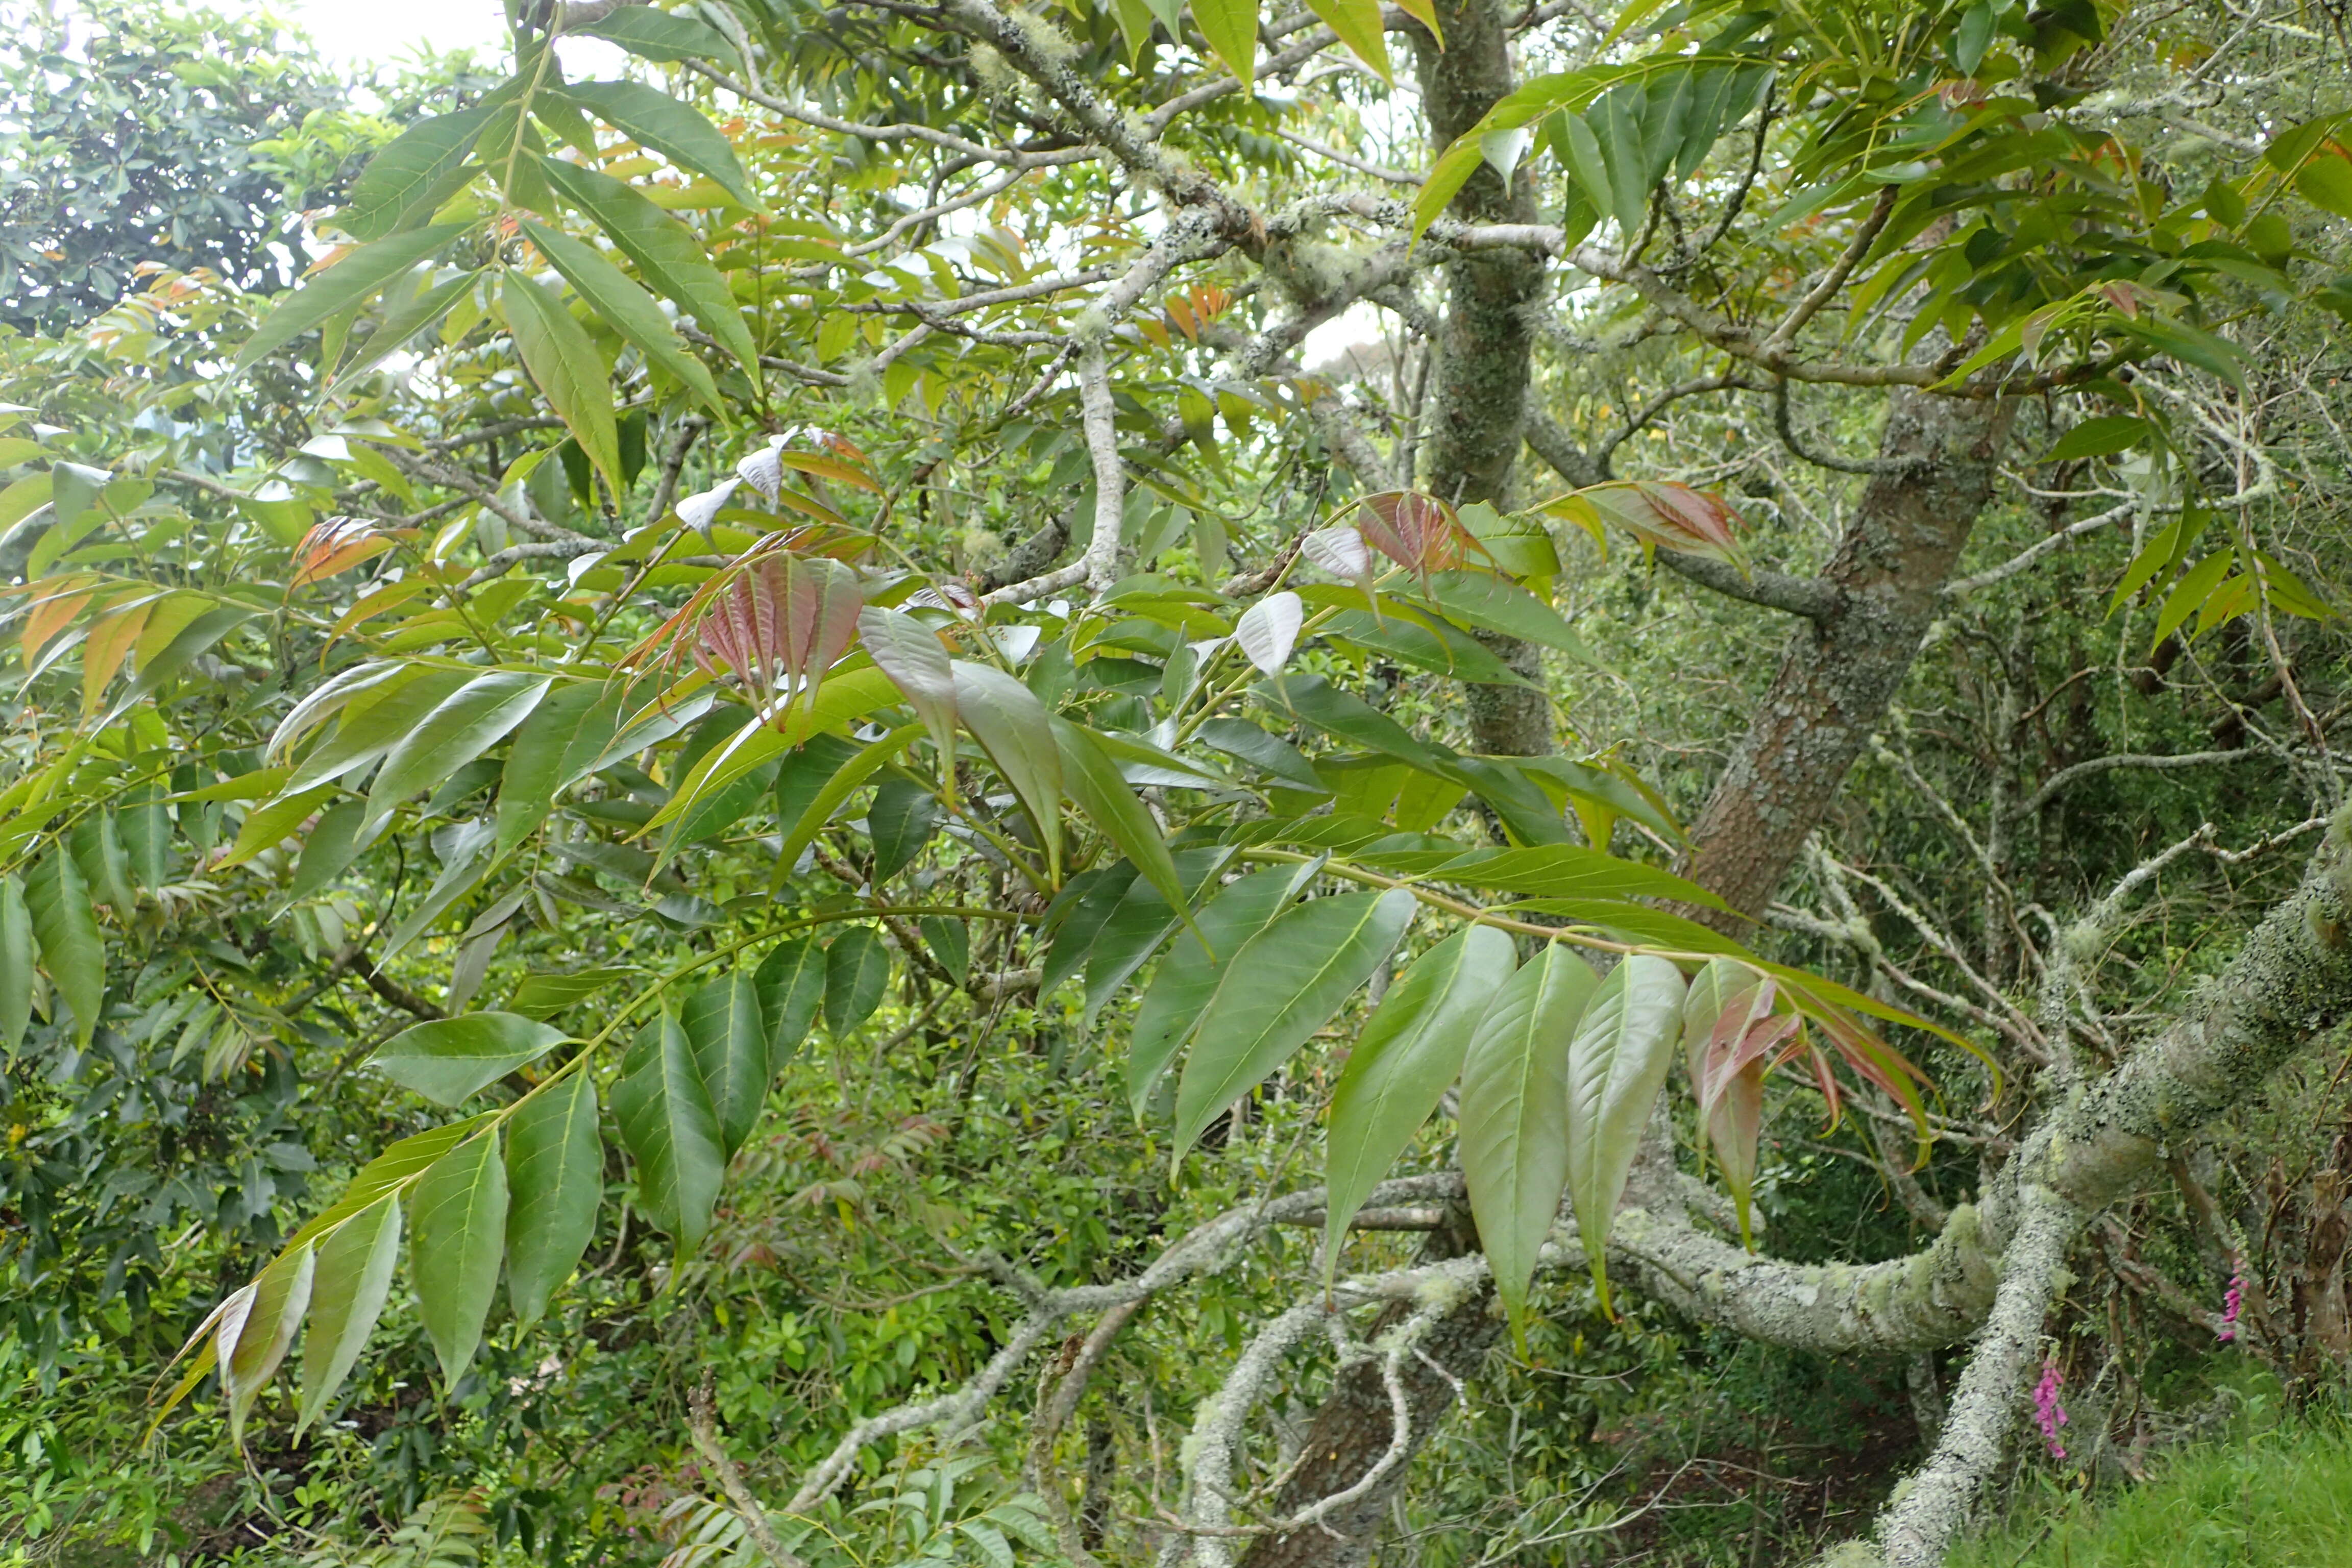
[1478, 411]
[1842, 669]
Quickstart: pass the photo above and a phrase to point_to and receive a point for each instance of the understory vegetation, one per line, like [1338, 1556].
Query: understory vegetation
[810, 784]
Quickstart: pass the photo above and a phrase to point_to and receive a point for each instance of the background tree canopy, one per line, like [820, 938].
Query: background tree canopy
[1154, 784]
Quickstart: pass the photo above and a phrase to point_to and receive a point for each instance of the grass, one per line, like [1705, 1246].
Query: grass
[2281, 1498]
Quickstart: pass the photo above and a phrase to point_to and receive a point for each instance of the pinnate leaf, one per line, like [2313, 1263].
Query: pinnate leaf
[449, 1060]
[1284, 984]
[456, 1239]
[1515, 1140]
[1409, 1050]
[555, 1183]
[1617, 1062]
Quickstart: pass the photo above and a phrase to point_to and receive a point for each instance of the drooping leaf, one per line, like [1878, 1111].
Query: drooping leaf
[1230, 28]
[555, 1183]
[570, 372]
[449, 1060]
[66, 926]
[1514, 1143]
[456, 1237]
[846, 781]
[1494, 604]
[670, 1131]
[1076, 917]
[281, 1296]
[791, 982]
[1315, 701]
[1138, 923]
[1357, 25]
[902, 819]
[1010, 724]
[351, 280]
[466, 724]
[1284, 984]
[672, 260]
[729, 1030]
[627, 308]
[1093, 781]
[1188, 979]
[917, 662]
[856, 968]
[653, 119]
[16, 964]
[1409, 1052]
[1616, 1064]
[347, 1294]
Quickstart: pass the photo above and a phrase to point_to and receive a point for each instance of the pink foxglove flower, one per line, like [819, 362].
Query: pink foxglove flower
[2048, 1413]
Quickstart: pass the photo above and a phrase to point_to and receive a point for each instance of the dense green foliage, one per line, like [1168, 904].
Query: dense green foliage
[771, 736]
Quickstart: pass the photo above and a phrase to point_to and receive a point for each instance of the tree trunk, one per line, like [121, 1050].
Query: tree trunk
[1840, 672]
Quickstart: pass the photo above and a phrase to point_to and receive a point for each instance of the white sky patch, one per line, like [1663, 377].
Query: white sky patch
[361, 33]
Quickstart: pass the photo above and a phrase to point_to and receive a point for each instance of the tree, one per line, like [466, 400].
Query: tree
[793, 575]
[144, 136]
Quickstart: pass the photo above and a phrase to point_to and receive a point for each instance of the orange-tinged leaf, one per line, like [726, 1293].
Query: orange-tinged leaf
[824, 468]
[112, 637]
[52, 614]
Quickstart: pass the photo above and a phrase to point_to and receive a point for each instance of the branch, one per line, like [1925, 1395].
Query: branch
[2059, 781]
[704, 1429]
[1101, 415]
[1933, 1507]
[2026, 557]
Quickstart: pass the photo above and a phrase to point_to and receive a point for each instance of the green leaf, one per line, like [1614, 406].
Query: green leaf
[570, 373]
[345, 285]
[1010, 724]
[16, 964]
[1568, 870]
[857, 967]
[1444, 181]
[555, 1162]
[335, 843]
[1135, 926]
[1230, 28]
[949, 940]
[2326, 182]
[791, 982]
[66, 928]
[1094, 782]
[626, 308]
[455, 1241]
[1268, 753]
[1189, 978]
[281, 1296]
[653, 120]
[347, 1294]
[466, 723]
[449, 1060]
[1496, 603]
[917, 662]
[843, 783]
[726, 1026]
[664, 250]
[388, 1173]
[1430, 645]
[1616, 1064]
[415, 172]
[670, 1131]
[662, 35]
[2189, 595]
[565, 733]
[371, 727]
[270, 825]
[2101, 437]
[1409, 1051]
[902, 819]
[1284, 984]
[1076, 917]
[544, 996]
[1357, 25]
[1314, 700]
[1514, 1137]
